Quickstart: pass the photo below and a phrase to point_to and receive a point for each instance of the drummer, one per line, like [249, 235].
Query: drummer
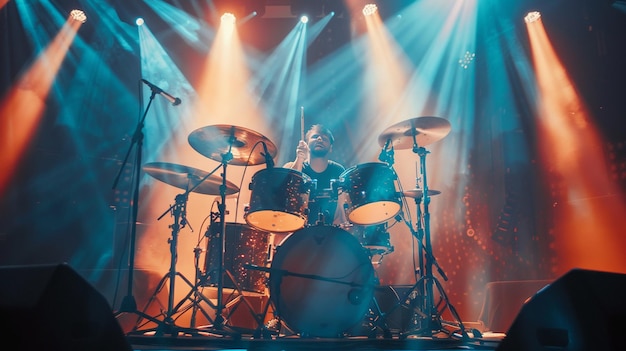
[313, 159]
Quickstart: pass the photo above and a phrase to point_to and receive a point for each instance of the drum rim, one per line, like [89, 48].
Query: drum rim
[364, 165]
[302, 175]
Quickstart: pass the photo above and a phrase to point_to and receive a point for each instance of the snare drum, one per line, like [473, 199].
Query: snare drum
[371, 195]
[279, 200]
[321, 281]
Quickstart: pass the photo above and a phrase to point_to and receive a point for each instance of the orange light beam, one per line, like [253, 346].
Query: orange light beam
[587, 231]
[23, 106]
[224, 94]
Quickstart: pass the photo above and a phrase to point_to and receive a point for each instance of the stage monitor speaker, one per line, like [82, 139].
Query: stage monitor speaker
[51, 307]
[582, 310]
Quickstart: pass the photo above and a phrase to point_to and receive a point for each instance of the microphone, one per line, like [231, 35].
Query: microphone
[268, 158]
[383, 153]
[174, 100]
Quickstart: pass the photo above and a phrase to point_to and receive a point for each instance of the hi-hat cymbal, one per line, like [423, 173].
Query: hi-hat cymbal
[418, 193]
[185, 177]
[426, 130]
[215, 141]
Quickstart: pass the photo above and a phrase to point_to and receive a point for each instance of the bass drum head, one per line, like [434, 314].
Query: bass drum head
[321, 281]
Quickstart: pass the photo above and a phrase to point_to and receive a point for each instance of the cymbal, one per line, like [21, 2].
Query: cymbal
[216, 140]
[185, 177]
[418, 193]
[427, 130]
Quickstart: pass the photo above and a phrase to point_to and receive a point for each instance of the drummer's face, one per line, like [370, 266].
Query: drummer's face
[319, 144]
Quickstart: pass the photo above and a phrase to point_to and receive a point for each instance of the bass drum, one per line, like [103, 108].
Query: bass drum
[321, 281]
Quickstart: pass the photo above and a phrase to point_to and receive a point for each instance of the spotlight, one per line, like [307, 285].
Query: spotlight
[79, 16]
[467, 59]
[139, 21]
[228, 18]
[304, 19]
[369, 9]
[533, 16]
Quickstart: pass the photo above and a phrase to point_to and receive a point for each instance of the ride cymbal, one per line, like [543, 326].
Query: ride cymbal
[186, 178]
[244, 144]
[419, 193]
[420, 131]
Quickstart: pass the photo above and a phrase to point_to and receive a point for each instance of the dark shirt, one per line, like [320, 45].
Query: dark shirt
[323, 199]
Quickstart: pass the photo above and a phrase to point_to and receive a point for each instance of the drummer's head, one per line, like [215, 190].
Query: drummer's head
[321, 130]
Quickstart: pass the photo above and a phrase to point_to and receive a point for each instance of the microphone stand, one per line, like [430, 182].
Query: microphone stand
[129, 304]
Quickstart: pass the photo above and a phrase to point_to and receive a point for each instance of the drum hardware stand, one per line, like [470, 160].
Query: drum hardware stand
[168, 326]
[234, 298]
[197, 296]
[430, 317]
[377, 320]
[129, 304]
[219, 323]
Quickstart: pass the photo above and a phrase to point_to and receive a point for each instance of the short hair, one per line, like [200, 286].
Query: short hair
[321, 129]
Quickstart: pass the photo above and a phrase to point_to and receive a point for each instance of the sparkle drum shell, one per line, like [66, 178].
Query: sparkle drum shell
[371, 195]
[279, 200]
[243, 245]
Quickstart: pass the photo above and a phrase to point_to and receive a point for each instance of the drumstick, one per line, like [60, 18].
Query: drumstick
[301, 122]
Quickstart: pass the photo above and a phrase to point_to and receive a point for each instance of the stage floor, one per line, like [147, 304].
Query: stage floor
[237, 339]
[182, 343]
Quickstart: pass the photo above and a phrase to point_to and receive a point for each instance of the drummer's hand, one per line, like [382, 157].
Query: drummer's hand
[302, 151]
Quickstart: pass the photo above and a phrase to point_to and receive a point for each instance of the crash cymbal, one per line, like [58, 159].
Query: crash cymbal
[427, 130]
[216, 140]
[185, 177]
[418, 193]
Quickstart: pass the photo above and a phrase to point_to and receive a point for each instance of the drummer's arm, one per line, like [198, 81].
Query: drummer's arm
[292, 165]
[301, 154]
[296, 165]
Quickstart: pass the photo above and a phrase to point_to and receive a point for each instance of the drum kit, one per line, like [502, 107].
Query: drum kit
[320, 278]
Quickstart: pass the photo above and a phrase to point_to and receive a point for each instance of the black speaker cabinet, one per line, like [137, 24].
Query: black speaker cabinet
[51, 307]
[582, 310]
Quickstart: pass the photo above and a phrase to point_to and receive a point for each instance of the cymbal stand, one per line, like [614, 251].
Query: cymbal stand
[430, 318]
[168, 326]
[219, 324]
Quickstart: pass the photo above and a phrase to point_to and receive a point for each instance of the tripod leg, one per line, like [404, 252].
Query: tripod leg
[452, 309]
[152, 298]
[263, 330]
[258, 319]
[194, 302]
